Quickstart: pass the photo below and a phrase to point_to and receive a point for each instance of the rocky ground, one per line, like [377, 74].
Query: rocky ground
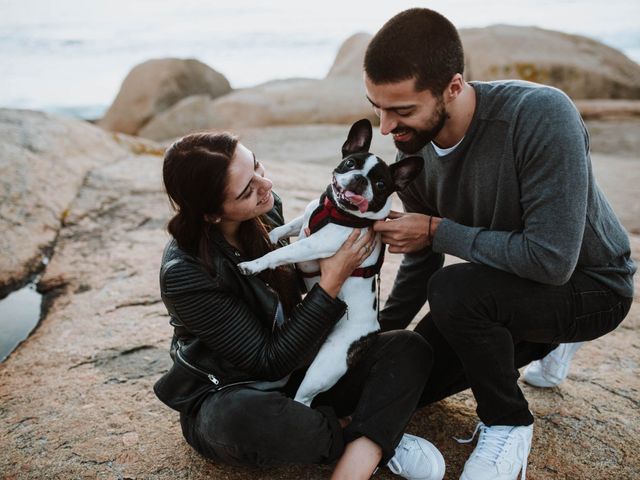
[76, 398]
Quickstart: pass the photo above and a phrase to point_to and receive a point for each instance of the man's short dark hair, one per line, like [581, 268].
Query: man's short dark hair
[417, 43]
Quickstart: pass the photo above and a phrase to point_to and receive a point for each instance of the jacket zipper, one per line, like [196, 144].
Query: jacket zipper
[275, 313]
[212, 378]
[275, 318]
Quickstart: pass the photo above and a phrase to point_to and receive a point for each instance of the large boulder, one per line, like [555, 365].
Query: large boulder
[281, 102]
[338, 98]
[154, 86]
[582, 67]
[189, 115]
[350, 57]
[43, 163]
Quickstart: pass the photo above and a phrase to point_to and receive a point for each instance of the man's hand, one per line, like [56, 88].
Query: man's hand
[406, 232]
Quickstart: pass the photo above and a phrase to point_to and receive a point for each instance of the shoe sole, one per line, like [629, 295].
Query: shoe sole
[535, 380]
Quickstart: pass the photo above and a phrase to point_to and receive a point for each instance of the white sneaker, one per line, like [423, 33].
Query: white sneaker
[501, 453]
[551, 370]
[417, 459]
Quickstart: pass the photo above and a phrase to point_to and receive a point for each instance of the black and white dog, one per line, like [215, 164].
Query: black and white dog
[359, 194]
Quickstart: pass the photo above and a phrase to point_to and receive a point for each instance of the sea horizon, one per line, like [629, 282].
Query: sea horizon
[72, 56]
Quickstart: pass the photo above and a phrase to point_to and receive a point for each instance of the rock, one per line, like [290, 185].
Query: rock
[616, 137]
[614, 153]
[333, 100]
[607, 170]
[154, 86]
[339, 98]
[350, 59]
[76, 398]
[43, 162]
[580, 66]
[189, 115]
[281, 102]
[608, 109]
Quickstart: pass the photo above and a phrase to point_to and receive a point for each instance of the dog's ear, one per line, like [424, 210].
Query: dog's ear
[359, 138]
[404, 171]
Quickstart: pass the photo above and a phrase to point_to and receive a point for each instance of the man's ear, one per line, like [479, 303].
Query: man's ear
[359, 138]
[404, 171]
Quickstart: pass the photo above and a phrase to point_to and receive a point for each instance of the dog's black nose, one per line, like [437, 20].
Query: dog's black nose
[358, 184]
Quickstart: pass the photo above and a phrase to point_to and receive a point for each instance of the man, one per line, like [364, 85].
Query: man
[507, 186]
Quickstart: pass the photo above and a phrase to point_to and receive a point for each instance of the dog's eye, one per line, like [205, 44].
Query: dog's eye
[349, 163]
[380, 185]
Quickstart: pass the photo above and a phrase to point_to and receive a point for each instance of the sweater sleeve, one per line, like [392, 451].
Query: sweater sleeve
[230, 329]
[552, 159]
[409, 292]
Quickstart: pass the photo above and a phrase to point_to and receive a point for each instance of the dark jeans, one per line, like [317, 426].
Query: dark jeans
[485, 323]
[245, 426]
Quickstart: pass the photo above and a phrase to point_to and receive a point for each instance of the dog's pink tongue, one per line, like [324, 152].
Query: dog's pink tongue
[358, 200]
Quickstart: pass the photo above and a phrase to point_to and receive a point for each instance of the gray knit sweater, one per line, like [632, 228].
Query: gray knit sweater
[517, 194]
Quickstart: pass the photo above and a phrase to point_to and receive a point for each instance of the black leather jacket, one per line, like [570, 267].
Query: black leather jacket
[224, 325]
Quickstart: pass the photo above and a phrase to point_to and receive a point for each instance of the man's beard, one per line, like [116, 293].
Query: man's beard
[421, 137]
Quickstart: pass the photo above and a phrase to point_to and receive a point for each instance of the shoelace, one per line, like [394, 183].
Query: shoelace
[491, 445]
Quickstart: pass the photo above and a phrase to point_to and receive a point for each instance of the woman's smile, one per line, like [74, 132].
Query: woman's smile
[266, 197]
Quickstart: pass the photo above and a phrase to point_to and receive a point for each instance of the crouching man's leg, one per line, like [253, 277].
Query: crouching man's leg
[482, 314]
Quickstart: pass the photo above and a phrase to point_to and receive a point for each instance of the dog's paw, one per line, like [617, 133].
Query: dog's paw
[274, 236]
[249, 268]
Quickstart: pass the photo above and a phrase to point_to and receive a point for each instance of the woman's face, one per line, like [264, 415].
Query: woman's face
[248, 192]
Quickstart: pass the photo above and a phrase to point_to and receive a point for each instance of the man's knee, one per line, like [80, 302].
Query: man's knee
[453, 292]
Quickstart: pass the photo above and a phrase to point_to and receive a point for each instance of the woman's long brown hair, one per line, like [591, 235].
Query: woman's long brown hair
[195, 175]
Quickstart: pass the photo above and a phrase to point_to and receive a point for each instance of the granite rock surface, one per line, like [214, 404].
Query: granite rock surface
[76, 398]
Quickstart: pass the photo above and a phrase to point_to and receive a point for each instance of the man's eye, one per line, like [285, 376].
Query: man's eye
[380, 185]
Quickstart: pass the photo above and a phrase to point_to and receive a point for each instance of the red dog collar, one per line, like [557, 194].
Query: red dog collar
[327, 212]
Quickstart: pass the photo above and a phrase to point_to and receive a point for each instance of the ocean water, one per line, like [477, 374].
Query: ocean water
[19, 314]
[70, 56]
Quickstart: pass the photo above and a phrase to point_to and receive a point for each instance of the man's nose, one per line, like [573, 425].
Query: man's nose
[387, 122]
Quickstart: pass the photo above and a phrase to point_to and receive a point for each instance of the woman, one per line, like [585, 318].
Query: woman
[240, 343]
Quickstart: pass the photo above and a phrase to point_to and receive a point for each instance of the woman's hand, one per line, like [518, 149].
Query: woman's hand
[337, 268]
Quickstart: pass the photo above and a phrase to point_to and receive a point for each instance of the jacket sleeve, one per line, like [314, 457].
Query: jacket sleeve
[230, 329]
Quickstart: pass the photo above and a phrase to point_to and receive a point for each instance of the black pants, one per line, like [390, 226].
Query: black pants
[245, 426]
[485, 323]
